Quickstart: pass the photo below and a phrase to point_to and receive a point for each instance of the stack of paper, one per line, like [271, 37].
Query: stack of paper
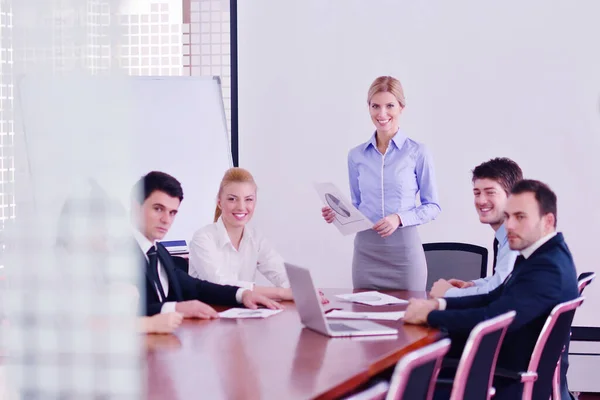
[247, 313]
[373, 298]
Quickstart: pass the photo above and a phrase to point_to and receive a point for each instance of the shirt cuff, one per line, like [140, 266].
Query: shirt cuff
[407, 218]
[239, 294]
[441, 304]
[168, 307]
[245, 285]
[453, 292]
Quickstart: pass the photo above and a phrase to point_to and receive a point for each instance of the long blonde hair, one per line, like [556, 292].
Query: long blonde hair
[233, 175]
[387, 84]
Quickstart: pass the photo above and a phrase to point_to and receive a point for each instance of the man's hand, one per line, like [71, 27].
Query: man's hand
[418, 310]
[252, 300]
[440, 287]
[196, 309]
[461, 284]
[164, 323]
[387, 225]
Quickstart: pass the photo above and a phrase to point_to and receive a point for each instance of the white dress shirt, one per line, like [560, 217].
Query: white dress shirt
[214, 258]
[169, 306]
[526, 253]
[504, 265]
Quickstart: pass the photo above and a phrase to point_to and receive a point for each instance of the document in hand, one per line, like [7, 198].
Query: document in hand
[348, 219]
[389, 316]
[247, 313]
[373, 298]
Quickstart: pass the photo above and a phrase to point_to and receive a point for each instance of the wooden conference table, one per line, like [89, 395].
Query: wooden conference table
[274, 358]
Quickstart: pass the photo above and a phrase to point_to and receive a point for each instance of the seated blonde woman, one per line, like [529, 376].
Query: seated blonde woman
[231, 252]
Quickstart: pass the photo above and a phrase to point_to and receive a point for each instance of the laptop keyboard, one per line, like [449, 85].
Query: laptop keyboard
[341, 327]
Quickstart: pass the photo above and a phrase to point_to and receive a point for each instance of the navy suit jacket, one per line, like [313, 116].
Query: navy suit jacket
[183, 287]
[537, 284]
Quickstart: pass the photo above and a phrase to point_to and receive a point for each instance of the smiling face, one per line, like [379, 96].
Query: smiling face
[237, 202]
[156, 214]
[490, 200]
[385, 112]
[524, 224]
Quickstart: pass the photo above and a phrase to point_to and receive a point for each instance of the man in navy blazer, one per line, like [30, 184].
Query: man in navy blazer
[543, 276]
[155, 200]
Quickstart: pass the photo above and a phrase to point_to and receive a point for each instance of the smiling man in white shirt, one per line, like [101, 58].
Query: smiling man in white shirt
[155, 200]
[492, 182]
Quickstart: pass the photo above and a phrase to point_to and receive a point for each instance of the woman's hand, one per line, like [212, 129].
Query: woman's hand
[328, 214]
[387, 225]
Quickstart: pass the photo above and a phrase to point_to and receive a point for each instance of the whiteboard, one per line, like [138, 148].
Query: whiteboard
[482, 80]
[115, 130]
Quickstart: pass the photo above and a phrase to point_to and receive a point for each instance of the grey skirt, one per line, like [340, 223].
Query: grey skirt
[395, 262]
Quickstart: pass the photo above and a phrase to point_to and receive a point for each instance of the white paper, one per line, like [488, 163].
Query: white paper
[373, 298]
[348, 219]
[388, 316]
[247, 313]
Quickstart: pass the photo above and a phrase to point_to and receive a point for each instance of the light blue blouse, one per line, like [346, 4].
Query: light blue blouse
[384, 184]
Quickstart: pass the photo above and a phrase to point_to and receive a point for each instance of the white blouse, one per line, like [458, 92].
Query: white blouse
[213, 258]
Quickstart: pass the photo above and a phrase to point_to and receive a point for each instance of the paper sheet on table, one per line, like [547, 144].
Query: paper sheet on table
[389, 316]
[373, 298]
[247, 313]
[348, 219]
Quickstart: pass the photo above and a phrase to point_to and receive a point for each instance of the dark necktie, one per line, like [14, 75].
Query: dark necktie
[153, 271]
[519, 259]
[496, 244]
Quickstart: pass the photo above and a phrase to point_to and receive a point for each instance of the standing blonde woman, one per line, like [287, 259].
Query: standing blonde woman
[386, 173]
[230, 252]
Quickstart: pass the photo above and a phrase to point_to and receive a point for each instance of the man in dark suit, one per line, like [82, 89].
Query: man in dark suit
[543, 276]
[155, 200]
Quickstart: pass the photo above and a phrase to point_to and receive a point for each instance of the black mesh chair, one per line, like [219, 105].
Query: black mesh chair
[454, 260]
[584, 279]
[537, 381]
[416, 373]
[475, 369]
[413, 378]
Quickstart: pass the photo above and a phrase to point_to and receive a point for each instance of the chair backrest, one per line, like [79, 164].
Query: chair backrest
[454, 260]
[549, 347]
[415, 374]
[475, 370]
[584, 279]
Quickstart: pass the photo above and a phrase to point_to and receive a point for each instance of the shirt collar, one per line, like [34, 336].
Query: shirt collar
[501, 235]
[223, 236]
[527, 252]
[143, 241]
[398, 140]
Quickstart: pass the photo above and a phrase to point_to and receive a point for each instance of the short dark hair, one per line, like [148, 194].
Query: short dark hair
[545, 197]
[154, 181]
[500, 169]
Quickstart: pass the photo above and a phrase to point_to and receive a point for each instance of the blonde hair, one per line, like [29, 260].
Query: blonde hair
[233, 175]
[387, 84]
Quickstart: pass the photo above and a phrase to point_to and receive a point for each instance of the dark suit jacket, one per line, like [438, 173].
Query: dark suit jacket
[183, 287]
[537, 284]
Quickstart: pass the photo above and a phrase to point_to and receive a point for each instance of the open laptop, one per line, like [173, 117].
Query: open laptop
[312, 316]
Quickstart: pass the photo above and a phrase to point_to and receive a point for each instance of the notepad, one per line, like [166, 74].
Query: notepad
[388, 316]
[372, 298]
[247, 313]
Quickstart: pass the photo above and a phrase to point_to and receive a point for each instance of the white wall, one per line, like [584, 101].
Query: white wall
[516, 79]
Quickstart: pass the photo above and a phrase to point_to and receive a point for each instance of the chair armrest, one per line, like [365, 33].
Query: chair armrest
[529, 376]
